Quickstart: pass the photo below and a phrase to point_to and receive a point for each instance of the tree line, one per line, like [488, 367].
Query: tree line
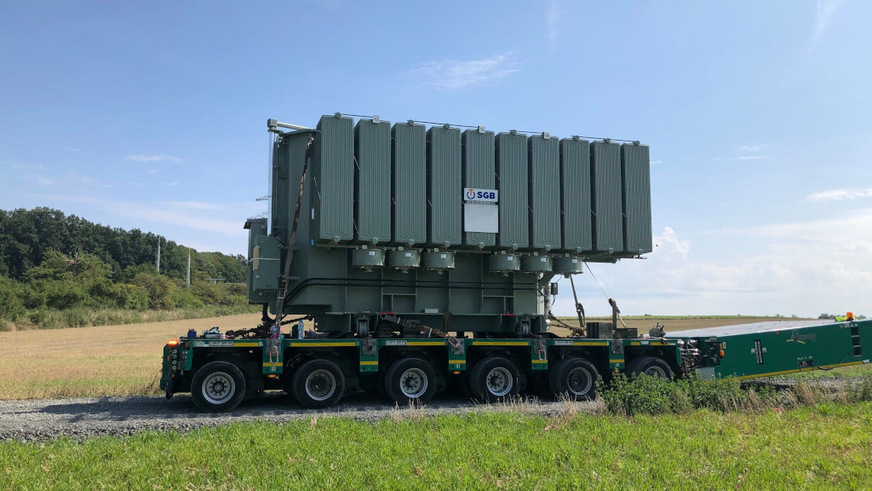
[26, 237]
[49, 260]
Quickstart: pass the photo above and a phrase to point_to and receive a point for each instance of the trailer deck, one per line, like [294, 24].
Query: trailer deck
[780, 347]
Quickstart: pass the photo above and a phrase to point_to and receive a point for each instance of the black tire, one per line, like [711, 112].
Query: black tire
[649, 365]
[318, 383]
[410, 379]
[218, 386]
[493, 379]
[574, 378]
[463, 384]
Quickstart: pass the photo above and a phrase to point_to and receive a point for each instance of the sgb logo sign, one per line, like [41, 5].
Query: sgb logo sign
[487, 195]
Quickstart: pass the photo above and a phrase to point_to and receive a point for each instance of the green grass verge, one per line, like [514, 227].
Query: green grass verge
[828, 445]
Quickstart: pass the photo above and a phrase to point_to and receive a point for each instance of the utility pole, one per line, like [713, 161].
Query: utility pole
[188, 279]
[158, 255]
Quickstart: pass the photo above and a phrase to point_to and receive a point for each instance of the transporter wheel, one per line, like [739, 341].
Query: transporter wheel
[493, 379]
[463, 384]
[649, 365]
[410, 379]
[218, 386]
[318, 383]
[574, 378]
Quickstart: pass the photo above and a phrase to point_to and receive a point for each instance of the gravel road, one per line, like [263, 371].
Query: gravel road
[46, 419]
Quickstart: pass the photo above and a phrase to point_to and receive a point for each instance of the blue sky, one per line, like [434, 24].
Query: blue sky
[152, 116]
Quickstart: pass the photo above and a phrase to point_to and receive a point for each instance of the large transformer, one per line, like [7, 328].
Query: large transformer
[458, 230]
[425, 255]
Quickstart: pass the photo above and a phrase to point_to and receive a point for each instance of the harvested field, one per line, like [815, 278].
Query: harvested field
[94, 361]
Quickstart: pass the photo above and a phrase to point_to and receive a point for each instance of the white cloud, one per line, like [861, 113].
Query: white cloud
[71, 178]
[801, 268]
[153, 171]
[552, 14]
[174, 183]
[220, 218]
[15, 165]
[838, 195]
[753, 157]
[754, 148]
[153, 158]
[656, 162]
[669, 243]
[451, 75]
[196, 205]
[823, 19]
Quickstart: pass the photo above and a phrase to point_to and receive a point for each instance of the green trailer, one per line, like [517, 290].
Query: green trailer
[775, 348]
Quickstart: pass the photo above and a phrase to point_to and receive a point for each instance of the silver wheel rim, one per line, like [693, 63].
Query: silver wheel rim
[413, 383]
[320, 385]
[579, 381]
[499, 381]
[656, 371]
[218, 388]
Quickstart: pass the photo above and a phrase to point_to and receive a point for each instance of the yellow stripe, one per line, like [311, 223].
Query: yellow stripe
[324, 345]
[500, 343]
[616, 361]
[783, 372]
[462, 360]
[425, 343]
[246, 345]
[369, 363]
[587, 343]
[539, 361]
[272, 364]
[635, 343]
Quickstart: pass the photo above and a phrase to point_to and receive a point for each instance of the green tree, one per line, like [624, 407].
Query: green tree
[160, 289]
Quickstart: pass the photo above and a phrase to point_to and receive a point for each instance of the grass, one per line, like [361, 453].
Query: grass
[826, 445]
[653, 395]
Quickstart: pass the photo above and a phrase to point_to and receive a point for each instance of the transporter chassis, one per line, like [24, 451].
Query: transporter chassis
[318, 372]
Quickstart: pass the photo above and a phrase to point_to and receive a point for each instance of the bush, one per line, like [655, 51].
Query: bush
[160, 290]
[653, 395]
[184, 298]
[11, 307]
[860, 390]
[644, 395]
[131, 297]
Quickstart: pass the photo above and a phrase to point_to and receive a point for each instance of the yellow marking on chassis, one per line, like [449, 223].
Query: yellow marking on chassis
[272, 364]
[369, 363]
[500, 343]
[539, 361]
[588, 343]
[246, 345]
[425, 343]
[323, 345]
